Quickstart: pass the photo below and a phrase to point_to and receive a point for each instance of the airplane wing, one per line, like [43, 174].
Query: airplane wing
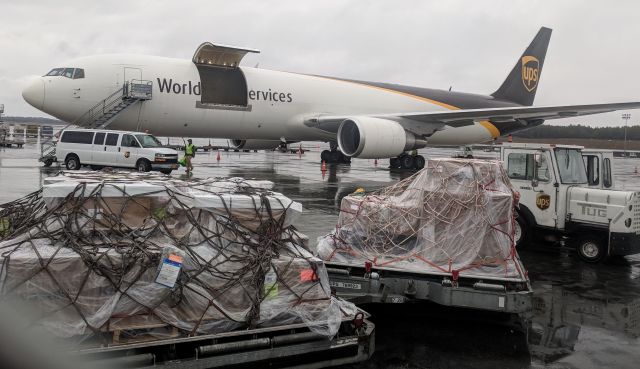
[423, 122]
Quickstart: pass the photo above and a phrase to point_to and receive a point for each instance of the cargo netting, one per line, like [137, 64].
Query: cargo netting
[112, 258]
[455, 218]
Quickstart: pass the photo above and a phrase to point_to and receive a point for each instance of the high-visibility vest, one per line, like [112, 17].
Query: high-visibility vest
[188, 150]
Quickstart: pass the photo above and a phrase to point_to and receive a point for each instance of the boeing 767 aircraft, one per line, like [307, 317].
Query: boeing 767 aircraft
[213, 96]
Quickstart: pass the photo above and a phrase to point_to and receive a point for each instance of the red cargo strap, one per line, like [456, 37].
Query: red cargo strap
[455, 274]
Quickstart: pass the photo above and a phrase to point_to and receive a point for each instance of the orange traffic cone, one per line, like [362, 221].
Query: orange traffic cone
[218, 156]
[323, 167]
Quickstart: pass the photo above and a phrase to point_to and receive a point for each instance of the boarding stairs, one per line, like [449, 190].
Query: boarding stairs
[102, 114]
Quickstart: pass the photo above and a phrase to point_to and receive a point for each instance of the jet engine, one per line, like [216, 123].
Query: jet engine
[254, 144]
[373, 138]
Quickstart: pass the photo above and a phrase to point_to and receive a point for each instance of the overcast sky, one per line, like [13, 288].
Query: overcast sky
[469, 45]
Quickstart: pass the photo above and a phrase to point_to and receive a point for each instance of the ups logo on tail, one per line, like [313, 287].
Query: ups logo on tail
[530, 72]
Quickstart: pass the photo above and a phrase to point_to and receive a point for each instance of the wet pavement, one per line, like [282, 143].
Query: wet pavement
[585, 316]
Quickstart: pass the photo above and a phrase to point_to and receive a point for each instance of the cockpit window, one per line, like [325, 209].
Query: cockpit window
[75, 73]
[55, 72]
[79, 73]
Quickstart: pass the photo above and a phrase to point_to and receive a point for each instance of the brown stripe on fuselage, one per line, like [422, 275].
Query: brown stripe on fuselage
[447, 99]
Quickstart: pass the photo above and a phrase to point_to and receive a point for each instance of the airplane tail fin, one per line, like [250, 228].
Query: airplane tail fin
[521, 84]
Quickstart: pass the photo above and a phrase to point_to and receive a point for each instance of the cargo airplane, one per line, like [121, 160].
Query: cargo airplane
[213, 96]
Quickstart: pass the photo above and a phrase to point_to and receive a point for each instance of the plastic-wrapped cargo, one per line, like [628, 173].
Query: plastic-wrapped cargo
[455, 217]
[119, 257]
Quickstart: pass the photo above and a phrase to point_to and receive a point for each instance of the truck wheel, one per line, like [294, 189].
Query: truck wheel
[591, 249]
[48, 162]
[143, 165]
[521, 232]
[72, 162]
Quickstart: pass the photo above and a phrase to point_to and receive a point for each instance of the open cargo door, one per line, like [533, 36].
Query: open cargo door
[223, 83]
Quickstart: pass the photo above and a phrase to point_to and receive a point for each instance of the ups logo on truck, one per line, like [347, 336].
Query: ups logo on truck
[543, 201]
[530, 70]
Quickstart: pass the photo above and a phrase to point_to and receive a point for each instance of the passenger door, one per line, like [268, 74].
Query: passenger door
[111, 150]
[129, 147]
[531, 173]
[98, 151]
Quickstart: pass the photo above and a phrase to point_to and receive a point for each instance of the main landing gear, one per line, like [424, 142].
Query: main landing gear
[334, 156]
[407, 161]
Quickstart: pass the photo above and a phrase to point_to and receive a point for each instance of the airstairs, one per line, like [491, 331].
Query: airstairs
[102, 114]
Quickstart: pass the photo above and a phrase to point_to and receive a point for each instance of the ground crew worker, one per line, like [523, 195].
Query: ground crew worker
[189, 152]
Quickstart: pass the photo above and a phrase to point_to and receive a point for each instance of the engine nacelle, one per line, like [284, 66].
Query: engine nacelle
[254, 144]
[373, 138]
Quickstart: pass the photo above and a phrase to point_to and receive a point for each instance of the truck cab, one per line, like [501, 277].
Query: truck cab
[565, 194]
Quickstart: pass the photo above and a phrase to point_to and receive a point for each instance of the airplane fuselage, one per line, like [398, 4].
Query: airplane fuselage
[278, 103]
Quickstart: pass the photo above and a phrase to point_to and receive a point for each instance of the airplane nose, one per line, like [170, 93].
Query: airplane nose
[34, 93]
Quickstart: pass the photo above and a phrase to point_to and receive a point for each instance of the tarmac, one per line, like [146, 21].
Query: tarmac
[585, 316]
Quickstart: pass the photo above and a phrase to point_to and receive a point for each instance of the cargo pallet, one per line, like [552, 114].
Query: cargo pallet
[370, 284]
[287, 346]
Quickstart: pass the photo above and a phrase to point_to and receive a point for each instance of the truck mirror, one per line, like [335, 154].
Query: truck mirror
[538, 160]
[534, 182]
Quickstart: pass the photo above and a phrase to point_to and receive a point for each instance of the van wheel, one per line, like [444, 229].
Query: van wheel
[72, 162]
[48, 162]
[591, 248]
[521, 232]
[143, 165]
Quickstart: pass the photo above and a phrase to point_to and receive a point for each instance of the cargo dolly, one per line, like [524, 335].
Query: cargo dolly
[292, 345]
[371, 284]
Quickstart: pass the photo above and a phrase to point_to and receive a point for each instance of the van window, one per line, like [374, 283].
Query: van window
[79, 137]
[129, 141]
[148, 141]
[606, 173]
[112, 139]
[99, 139]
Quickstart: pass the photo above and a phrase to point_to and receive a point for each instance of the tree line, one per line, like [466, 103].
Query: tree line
[580, 131]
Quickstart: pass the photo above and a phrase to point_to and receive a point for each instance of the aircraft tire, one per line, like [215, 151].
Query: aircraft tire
[406, 162]
[345, 159]
[325, 156]
[336, 157]
[394, 163]
[418, 162]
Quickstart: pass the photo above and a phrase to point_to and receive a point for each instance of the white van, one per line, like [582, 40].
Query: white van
[101, 148]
